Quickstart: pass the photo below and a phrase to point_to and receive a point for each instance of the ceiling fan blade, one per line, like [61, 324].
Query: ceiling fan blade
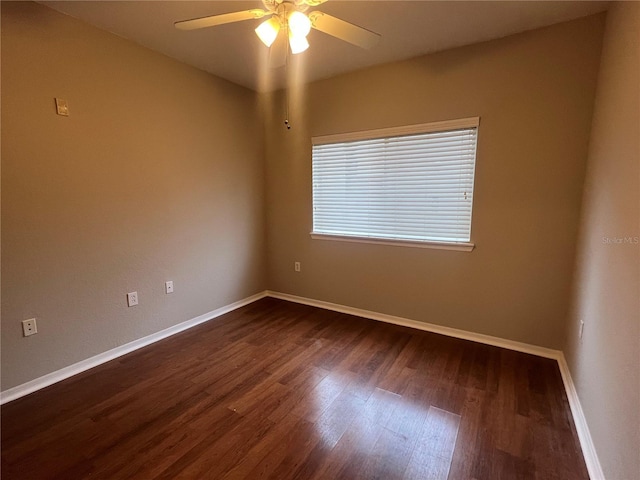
[278, 52]
[343, 30]
[312, 3]
[214, 20]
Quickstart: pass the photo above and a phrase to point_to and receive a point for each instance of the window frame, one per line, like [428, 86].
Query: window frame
[432, 127]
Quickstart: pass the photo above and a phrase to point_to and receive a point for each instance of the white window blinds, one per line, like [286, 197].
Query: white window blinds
[408, 183]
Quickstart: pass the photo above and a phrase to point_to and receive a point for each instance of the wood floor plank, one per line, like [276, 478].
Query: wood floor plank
[299, 389]
[265, 455]
[322, 396]
[283, 458]
[436, 443]
[361, 436]
[277, 390]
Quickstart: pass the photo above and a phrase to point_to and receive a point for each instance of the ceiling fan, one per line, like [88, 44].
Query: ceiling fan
[288, 20]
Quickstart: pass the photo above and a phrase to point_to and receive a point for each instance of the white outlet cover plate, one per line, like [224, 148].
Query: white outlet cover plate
[132, 299]
[168, 286]
[29, 327]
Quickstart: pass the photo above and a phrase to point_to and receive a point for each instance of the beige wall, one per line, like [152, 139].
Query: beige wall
[605, 363]
[156, 175]
[534, 93]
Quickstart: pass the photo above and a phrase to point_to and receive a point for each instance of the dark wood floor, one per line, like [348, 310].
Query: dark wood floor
[285, 391]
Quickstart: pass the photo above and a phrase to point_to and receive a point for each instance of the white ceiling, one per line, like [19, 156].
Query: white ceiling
[233, 51]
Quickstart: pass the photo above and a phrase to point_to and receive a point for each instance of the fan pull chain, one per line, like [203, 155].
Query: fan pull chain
[286, 90]
[286, 113]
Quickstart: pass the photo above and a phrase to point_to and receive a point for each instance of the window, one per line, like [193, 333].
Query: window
[401, 185]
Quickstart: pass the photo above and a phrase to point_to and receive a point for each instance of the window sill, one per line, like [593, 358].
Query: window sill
[457, 246]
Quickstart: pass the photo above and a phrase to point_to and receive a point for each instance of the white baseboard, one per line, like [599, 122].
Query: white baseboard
[580, 421]
[66, 372]
[586, 443]
[428, 327]
[588, 449]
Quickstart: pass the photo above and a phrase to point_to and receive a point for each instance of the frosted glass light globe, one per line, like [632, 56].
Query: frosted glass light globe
[297, 44]
[268, 30]
[299, 24]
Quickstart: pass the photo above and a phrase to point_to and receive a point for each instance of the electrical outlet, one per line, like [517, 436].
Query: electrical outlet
[61, 107]
[296, 266]
[29, 327]
[168, 287]
[132, 299]
[581, 328]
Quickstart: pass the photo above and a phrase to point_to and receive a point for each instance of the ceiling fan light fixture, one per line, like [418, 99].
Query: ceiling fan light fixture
[268, 30]
[297, 44]
[299, 24]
